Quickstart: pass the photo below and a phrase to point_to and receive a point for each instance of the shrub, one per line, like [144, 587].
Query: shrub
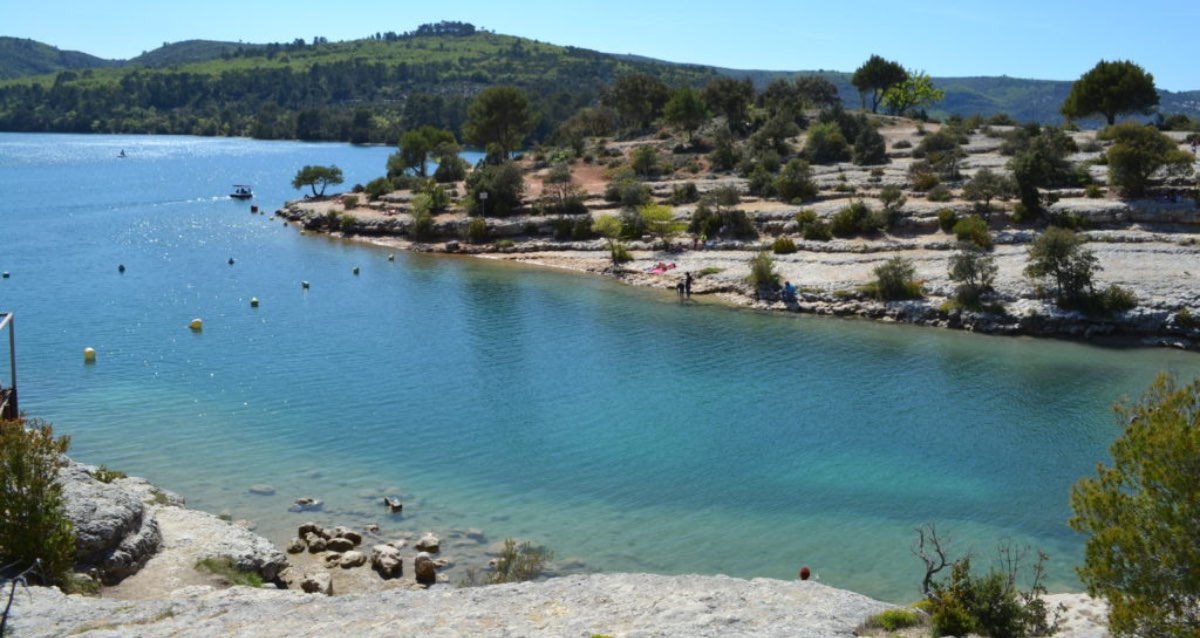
[34, 527]
[105, 475]
[1184, 318]
[762, 271]
[783, 246]
[760, 182]
[1117, 299]
[826, 144]
[685, 194]
[645, 161]
[422, 227]
[476, 231]
[818, 231]
[902, 144]
[504, 184]
[1093, 191]
[894, 619]
[947, 219]
[894, 280]
[939, 194]
[377, 188]
[795, 182]
[922, 180]
[974, 272]
[504, 243]
[975, 230]
[857, 218]
[350, 201]
[627, 192]
[225, 568]
[869, 148]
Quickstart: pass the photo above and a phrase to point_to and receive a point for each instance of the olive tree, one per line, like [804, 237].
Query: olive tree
[1141, 513]
[314, 176]
[1137, 153]
[1058, 255]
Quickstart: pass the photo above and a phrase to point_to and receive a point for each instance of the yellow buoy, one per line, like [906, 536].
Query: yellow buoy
[89, 355]
[254, 302]
[197, 324]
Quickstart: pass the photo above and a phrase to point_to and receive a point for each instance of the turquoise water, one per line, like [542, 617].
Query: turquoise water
[618, 427]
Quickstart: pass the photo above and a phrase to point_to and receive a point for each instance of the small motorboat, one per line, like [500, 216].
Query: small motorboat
[122, 154]
[241, 191]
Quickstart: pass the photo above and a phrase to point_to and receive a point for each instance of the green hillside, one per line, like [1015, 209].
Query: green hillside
[20, 57]
[371, 89]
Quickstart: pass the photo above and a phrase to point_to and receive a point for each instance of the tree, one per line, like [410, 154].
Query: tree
[561, 192]
[876, 76]
[1140, 516]
[659, 221]
[987, 185]
[731, 98]
[417, 146]
[915, 91]
[894, 279]
[611, 228]
[795, 182]
[499, 116]
[974, 271]
[1058, 254]
[504, 185]
[1111, 88]
[686, 110]
[1137, 153]
[817, 91]
[34, 528]
[869, 148]
[638, 99]
[826, 144]
[314, 176]
[1041, 162]
[781, 98]
[644, 161]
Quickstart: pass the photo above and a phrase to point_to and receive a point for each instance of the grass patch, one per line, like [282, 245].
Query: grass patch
[105, 475]
[895, 619]
[711, 270]
[223, 568]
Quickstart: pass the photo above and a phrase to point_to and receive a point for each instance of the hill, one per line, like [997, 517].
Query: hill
[20, 57]
[190, 51]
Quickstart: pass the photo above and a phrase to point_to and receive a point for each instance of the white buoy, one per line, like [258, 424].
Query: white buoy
[89, 355]
[197, 325]
[254, 302]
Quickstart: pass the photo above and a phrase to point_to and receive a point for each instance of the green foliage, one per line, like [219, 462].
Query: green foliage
[611, 228]
[378, 187]
[685, 193]
[422, 228]
[725, 155]
[350, 201]
[783, 246]
[921, 177]
[645, 161]
[1041, 162]
[638, 99]
[942, 152]
[504, 185]
[939, 194]
[826, 144]
[1137, 153]
[947, 218]
[1140, 516]
[1111, 88]
[916, 91]
[659, 220]
[717, 215]
[731, 98]
[986, 185]
[975, 272]
[857, 218]
[499, 116]
[105, 475]
[520, 563]
[628, 192]
[314, 176]
[476, 230]
[795, 182]
[876, 76]
[894, 280]
[973, 229]
[762, 271]
[894, 619]
[1058, 255]
[418, 146]
[686, 110]
[870, 148]
[1093, 191]
[1184, 318]
[34, 530]
[224, 567]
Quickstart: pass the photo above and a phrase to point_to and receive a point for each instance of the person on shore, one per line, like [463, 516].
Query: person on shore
[703, 241]
[789, 291]
[687, 284]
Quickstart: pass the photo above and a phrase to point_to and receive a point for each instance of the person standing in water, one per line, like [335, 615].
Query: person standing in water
[687, 284]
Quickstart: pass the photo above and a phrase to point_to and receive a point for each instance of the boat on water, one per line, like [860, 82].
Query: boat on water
[241, 191]
[122, 154]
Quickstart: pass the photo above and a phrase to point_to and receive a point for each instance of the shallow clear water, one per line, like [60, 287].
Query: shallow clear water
[613, 424]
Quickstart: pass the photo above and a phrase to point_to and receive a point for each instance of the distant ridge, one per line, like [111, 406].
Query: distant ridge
[20, 57]
[189, 51]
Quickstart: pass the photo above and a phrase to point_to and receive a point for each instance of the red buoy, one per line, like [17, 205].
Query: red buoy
[805, 573]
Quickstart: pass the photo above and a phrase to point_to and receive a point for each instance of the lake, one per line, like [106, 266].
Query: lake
[620, 428]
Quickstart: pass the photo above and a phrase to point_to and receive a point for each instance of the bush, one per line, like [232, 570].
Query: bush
[422, 227]
[939, 194]
[685, 194]
[1184, 318]
[762, 271]
[783, 246]
[520, 563]
[504, 243]
[627, 192]
[645, 162]
[818, 231]
[377, 188]
[476, 231]
[894, 619]
[923, 181]
[34, 527]
[947, 219]
[894, 280]
[869, 148]
[975, 230]
[1117, 299]
[225, 568]
[350, 201]
[504, 184]
[105, 475]
[826, 144]
[857, 218]
[902, 144]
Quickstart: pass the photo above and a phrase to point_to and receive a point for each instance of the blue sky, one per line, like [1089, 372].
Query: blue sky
[1046, 39]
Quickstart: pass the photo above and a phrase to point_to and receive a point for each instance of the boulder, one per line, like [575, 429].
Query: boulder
[296, 545]
[306, 504]
[312, 528]
[386, 560]
[316, 544]
[353, 559]
[424, 569]
[339, 544]
[428, 543]
[114, 532]
[317, 584]
[347, 533]
[262, 489]
[333, 559]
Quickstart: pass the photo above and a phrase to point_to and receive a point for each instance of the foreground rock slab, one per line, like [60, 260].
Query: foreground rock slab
[620, 605]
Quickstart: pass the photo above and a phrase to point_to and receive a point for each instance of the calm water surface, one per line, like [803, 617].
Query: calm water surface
[615, 425]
